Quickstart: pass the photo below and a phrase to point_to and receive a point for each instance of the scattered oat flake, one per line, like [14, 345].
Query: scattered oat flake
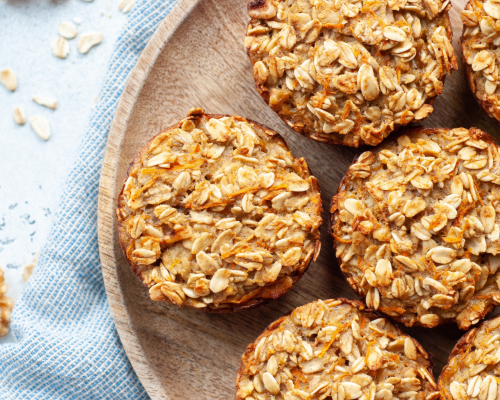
[9, 79]
[60, 47]
[68, 30]
[43, 101]
[28, 269]
[41, 126]
[77, 20]
[19, 115]
[88, 40]
[126, 5]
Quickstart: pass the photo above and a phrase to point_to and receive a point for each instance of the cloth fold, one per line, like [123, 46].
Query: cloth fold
[67, 345]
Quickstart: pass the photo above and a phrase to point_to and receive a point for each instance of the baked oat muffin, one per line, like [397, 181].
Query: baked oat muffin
[6, 305]
[350, 72]
[333, 349]
[473, 370]
[480, 41]
[216, 214]
[416, 226]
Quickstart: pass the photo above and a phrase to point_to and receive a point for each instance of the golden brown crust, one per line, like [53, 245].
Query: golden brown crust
[249, 363]
[265, 293]
[256, 4]
[6, 305]
[469, 76]
[466, 356]
[490, 296]
[488, 102]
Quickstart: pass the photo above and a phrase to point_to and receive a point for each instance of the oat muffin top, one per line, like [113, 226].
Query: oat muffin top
[6, 305]
[217, 214]
[333, 349]
[416, 226]
[346, 71]
[473, 370]
[480, 41]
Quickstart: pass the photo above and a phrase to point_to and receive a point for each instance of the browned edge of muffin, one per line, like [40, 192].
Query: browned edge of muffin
[461, 346]
[268, 292]
[478, 134]
[355, 303]
[469, 76]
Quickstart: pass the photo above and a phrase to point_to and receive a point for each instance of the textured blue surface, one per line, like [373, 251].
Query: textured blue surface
[67, 345]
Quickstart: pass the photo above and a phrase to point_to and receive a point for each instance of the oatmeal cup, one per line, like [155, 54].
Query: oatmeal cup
[6, 305]
[334, 349]
[344, 72]
[216, 214]
[480, 41]
[473, 371]
[416, 230]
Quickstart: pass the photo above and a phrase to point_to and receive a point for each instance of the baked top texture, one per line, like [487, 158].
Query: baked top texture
[416, 226]
[480, 41]
[216, 214]
[332, 349]
[350, 72]
[6, 306]
[473, 371]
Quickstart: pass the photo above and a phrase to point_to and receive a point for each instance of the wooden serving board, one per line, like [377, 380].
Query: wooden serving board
[197, 58]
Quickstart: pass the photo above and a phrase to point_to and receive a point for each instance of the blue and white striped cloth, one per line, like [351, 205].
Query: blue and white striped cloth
[67, 345]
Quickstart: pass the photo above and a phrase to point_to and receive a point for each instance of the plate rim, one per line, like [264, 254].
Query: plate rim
[106, 201]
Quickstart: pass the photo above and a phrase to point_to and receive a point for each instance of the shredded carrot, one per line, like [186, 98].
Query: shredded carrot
[370, 5]
[340, 328]
[380, 20]
[479, 193]
[299, 377]
[177, 167]
[244, 245]
[326, 347]
[462, 210]
[197, 149]
[342, 240]
[482, 297]
[177, 237]
[272, 195]
[451, 240]
[397, 310]
[278, 187]
[130, 249]
[243, 191]
[347, 110]
[333, 26]
[150, 183]
[403, 116]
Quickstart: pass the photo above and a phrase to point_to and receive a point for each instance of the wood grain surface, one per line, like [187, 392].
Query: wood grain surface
[197, 58]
